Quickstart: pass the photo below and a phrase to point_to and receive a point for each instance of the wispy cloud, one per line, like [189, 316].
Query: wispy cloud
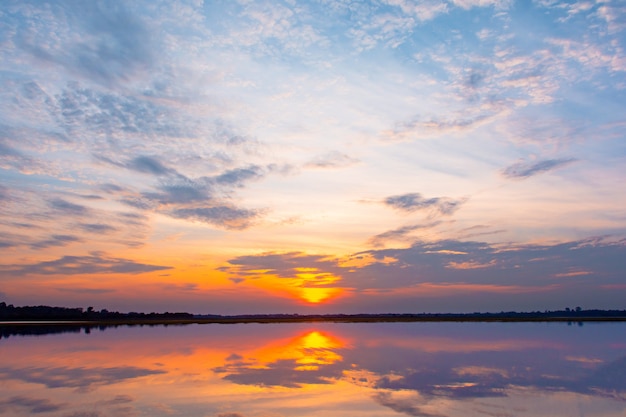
[223, 216]
[204, 199]
[185, 287]
[31, 404]
[400, 234]
[283, 265]
[56, 241]
[148, 165]
[238, 176]
[97, 228]
[96, 263]
[67, 207]
[331, 160]
[407, 406]
[521, 170]
[112, 45]
[414, 202]
[86, 290]
[5, 195]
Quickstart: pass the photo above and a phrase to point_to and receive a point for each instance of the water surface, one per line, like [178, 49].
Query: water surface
[318, 369]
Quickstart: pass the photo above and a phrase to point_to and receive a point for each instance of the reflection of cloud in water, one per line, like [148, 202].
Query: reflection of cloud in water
[419, 393]
[83, 379]
[440, 367]
[420, 370]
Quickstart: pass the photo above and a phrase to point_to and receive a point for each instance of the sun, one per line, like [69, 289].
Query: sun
[316, 295]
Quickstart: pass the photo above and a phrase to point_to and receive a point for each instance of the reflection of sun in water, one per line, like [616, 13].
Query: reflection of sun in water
[316, 350]
[309, 351]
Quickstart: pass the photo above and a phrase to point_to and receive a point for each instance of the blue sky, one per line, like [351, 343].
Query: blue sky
[339, 156]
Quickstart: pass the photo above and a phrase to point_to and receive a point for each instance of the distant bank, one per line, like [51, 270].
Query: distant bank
[47, 315]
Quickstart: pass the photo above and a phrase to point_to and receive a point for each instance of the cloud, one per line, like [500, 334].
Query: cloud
[414, 202]
[96, 263]
[56, 241]
[403, 405]
[32, 405]
[180, 190]
[97, 228]
[148, 165]
[283, 265]
[81, 112]
[423, 10]
[8, 244]
[523, 170]
[112, 45]
[401, 233]
[83, 379]
[387, 29]
[431, 127]
[111, 188]
[204, 199]
[86, 290]
[331, 160]
[273, 29]
[236, 177]
[185, 287]
[223, 216]
[85, 414]
[480, 263]
[468, 4]
[446, 267]
[4, 194]
[142, 163]
[68, 208]
[119, 399]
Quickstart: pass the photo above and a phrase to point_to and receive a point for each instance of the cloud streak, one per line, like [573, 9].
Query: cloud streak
[31, 404]
[415, 202]
[229, 217]
[96, 263]
[523, 170]
[399, 234]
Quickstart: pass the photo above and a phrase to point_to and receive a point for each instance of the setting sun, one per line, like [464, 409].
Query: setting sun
[317, 295]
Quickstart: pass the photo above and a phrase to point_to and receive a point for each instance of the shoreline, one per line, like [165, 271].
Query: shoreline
[306, 319]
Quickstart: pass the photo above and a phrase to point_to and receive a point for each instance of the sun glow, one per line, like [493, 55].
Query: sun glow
[316, 295]
[310, 289]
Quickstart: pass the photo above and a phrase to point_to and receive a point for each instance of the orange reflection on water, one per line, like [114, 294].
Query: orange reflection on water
[309, 351]
[371, 369]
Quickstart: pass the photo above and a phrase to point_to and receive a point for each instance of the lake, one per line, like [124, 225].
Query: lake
[318, 369]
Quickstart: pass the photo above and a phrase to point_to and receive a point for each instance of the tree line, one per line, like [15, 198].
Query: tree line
[44, 313]
[8, 312]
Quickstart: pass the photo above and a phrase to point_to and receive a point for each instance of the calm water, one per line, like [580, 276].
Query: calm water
[272, 370]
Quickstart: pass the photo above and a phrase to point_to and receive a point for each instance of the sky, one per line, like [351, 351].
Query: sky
[235, 157]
